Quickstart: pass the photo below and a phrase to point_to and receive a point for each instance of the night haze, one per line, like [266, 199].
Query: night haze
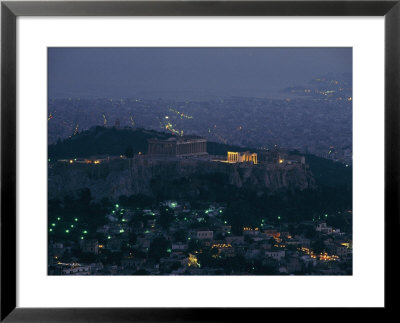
[187, 72]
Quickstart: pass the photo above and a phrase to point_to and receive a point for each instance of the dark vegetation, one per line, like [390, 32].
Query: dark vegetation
[112, 141]
[104, 141]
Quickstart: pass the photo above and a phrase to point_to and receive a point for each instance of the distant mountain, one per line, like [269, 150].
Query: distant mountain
[330, 86]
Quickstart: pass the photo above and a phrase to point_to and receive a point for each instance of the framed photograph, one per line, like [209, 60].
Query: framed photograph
[162, 158]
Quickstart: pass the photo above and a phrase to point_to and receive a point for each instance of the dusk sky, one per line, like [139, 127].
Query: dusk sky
[182, 72]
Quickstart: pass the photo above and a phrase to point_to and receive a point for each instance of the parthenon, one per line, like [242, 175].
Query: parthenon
[181, 146]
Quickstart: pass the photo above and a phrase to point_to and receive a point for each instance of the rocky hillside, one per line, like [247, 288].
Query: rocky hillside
[171, 178]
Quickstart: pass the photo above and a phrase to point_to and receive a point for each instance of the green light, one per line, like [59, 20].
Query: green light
[53, 224]
[76, 219]
[169, 250]
[113, 211]
[58, 218]
[279, 217]
[173, 204]
[326, 215]
[225, 222]
[82, 238]
[109, 237]
[67, 231]
[206, 211]
[51, 230]
[121, 231]
[123, 220]
[49, 159]
[117, 206]
[72, 225]
[220, 211]
[84, 232]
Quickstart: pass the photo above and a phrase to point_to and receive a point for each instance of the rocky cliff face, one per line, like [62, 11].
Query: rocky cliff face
[151, 176]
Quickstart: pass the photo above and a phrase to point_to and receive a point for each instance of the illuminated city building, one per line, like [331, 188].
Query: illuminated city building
[242, 157]
[182, 146]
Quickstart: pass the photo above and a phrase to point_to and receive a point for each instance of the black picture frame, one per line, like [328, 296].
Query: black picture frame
[10, 10]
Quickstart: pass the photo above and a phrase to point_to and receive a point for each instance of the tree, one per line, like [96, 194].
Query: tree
[158, 248]
[180, 236]
[85, 196]
[292, 229]
[310, 232]
[318, 246]
[166, 217]
[141, 272]
[129, 152]
[194, 245]
[132, 238]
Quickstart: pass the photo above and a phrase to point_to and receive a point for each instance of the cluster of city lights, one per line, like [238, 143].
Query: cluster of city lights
[69, 227]
[323, 256]
[168, 126]
[192, 261]
[181, 114]
[76, 129]
[221, 245]
[250, 229]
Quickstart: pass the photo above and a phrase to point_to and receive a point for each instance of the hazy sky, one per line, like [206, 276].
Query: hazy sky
[170, 72]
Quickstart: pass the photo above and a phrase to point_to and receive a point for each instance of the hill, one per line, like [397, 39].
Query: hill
[249, 193]
[112, 141]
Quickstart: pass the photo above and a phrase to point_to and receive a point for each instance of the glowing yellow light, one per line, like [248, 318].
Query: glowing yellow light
[192, 261]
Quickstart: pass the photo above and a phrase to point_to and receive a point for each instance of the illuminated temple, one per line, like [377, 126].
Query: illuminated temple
[181, 146]
[241, 157]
